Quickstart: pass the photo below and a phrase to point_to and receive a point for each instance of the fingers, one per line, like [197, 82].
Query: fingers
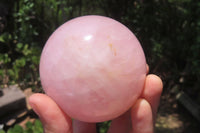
[142, 118]
[52, 117]
[152, 92]
[83, 127]
[143, 112]
[138, 120]
[122, 124]
[147, 66]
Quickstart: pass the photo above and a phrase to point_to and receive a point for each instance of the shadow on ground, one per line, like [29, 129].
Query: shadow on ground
[174, 118]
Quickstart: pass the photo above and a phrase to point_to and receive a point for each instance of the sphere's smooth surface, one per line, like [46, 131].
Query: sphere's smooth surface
[93, 67]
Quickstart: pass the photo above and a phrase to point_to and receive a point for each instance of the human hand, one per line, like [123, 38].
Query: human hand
[139, 119]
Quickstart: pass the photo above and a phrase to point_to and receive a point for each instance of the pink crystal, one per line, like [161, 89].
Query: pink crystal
[93, 67]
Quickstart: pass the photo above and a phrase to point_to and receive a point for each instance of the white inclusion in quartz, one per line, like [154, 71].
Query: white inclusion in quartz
[88, 37]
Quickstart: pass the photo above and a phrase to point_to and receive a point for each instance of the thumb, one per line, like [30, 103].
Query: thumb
[54, 120]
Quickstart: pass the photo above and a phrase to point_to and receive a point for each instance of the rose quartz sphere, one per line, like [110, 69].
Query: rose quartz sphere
[93, 67]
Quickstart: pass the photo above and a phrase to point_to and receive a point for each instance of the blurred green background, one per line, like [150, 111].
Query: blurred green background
[169, 32]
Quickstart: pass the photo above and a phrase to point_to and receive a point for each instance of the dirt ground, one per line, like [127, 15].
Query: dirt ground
[174, 118]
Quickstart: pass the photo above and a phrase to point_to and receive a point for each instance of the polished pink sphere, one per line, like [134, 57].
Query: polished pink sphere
[93, 67]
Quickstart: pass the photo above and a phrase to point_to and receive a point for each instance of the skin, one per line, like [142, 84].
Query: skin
[139, 119]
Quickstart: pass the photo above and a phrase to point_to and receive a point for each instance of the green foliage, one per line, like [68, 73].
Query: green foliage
[19, 54]
[26, 58]
[1, 131]
[104, 126]
[35, 127]
[16, 129]
[169, 35]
